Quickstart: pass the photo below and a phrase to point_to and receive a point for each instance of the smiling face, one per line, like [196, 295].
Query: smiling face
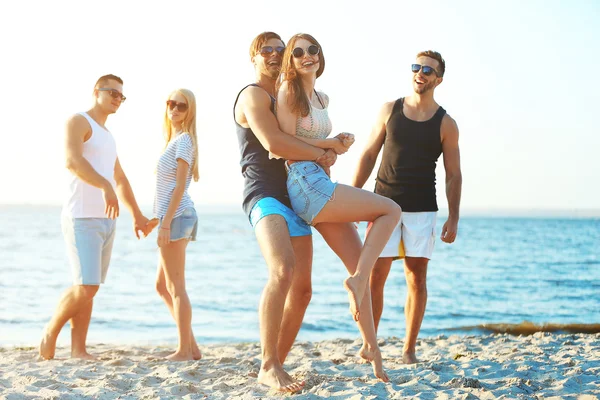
[304, 62]
[423, 83]
[268, 59]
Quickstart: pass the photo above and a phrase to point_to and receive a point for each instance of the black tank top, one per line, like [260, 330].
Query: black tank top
[263, 177]
[410, 153]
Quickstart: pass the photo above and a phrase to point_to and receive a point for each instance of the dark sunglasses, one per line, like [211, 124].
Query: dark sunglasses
[266, 50]
[312, 50]
[181, 107]
[426, 70]
[115, 94]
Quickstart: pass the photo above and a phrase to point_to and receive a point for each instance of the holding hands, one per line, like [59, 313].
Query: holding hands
[342, 142]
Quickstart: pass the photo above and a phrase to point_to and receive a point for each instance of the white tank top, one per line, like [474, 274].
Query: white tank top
[100, 150]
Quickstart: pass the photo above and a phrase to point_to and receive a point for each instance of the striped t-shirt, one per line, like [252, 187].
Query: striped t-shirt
[166, 175]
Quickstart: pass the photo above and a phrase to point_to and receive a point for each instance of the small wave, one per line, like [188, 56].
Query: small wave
[529, 328]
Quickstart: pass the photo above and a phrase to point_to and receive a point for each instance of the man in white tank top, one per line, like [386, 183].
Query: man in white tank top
[89, 213]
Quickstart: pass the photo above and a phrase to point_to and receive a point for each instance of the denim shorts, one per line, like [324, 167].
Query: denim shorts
[269, 206]
[184, 226]
[309, 188]
[89, 243]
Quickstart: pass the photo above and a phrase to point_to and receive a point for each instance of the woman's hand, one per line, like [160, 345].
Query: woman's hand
[346, 138]
[164, 236]
[150, 225]
[336, 144]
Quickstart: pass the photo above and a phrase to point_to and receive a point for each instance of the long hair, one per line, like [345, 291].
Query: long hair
[298, 101]
[188, 125]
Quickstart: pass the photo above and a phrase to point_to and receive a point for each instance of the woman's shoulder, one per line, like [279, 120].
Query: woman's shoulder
[324, 98]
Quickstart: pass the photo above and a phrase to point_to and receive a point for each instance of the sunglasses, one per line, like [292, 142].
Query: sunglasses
[426, 70]
[181, 107]
[115, 94]
[266, 50]
[312, 50]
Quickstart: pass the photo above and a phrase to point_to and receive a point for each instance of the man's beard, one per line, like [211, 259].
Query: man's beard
[422, 89]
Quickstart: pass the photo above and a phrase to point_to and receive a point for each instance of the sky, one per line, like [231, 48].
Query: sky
[520, 81]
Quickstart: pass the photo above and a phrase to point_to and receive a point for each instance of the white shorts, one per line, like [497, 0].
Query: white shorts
[413, 237]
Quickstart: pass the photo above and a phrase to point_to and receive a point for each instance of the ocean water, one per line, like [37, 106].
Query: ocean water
[500, 270]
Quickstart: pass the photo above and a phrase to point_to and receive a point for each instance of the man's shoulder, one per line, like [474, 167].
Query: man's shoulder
[77, 122]
[448, 122]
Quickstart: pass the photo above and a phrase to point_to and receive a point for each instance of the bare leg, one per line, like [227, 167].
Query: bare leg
[75, 299]
[298, 297]
[275, 244]
[161, 288]
[343, 239]
[350, 204]
[415, 270]
[79, 329]
[173, 258]
[377, 282]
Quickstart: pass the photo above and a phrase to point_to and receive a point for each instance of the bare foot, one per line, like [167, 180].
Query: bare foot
[356, 291]
[276, 378]
[374, 357]
[196, 353]
[47, 346]
[409, 358]
[364, 354]
[177, 356]
[83, 356]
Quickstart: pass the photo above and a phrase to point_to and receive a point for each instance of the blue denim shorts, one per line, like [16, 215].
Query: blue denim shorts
[309, 188]
[269, 206]
[89, 243]
[185, 226]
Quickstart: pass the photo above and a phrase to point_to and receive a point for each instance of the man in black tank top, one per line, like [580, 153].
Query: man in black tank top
[284, 238]
[413, 131]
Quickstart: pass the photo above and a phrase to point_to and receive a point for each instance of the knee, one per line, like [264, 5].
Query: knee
[395, 212]
[87, 292]
[175, 289]
[282, 276]
[302, 296]
[161, 288]
[416, 282]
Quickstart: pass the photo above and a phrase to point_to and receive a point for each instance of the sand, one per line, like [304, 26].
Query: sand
[543, 365]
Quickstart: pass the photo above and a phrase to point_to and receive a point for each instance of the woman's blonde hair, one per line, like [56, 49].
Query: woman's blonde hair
[188, 126]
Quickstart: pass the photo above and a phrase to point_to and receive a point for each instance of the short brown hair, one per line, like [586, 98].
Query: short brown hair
[436, 56]
[105, 78]
[260, 41]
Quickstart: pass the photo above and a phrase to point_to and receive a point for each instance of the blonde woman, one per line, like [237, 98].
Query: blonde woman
[176, 216]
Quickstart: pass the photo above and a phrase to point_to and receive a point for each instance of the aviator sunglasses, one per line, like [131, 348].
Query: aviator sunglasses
[426, 70]
[312, 50]
[115, 94]
[266, 50]
[181, 107]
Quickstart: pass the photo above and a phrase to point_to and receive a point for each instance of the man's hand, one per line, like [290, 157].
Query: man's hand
[450, 230]
[111, 201]
[327, 159]
[139, 225]
[153, 223]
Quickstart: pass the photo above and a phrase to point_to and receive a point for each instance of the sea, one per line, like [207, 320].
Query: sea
[503, 273]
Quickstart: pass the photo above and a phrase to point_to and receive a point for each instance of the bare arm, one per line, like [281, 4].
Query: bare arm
[451, 152]
[369, 155]
[180, 180]
[125, 193]
[256, 112]
[77, 131]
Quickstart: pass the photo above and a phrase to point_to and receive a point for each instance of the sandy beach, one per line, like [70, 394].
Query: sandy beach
[539, 366]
